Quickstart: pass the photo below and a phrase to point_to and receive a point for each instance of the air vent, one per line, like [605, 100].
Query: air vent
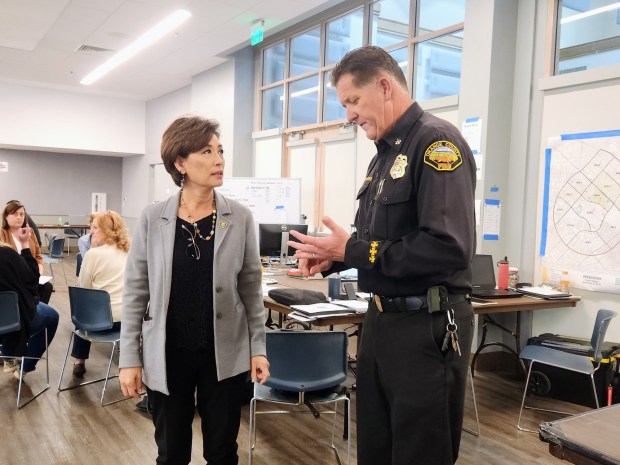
[90, 48]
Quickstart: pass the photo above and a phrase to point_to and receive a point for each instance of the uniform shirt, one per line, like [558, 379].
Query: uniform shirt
[415, 223]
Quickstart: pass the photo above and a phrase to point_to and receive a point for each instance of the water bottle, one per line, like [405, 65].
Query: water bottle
[60, 221]
[333, 286]
[513, 277]
[502, 273]
[565, 283]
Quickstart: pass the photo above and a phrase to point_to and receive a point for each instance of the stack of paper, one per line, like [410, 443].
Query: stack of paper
[322, 310]
[543, 292]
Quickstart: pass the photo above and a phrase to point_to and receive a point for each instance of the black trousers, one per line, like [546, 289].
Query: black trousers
[410, 396]
[218, 404]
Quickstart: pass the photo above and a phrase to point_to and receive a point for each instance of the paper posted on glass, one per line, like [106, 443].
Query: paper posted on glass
[472, 132]
[44, 279]
[491, 219]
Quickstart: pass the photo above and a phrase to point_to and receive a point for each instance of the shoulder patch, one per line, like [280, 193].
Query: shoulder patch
[443, 156]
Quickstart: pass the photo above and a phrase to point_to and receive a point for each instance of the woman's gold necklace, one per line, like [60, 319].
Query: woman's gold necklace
[196, 228]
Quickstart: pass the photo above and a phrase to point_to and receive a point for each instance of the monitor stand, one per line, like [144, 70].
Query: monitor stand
[284, 248]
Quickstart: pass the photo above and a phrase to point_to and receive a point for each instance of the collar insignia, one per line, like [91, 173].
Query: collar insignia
[223, 224]
[397, 141]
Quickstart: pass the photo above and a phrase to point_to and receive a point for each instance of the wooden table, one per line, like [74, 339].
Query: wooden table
[514, 304]
[82, 227]
[586, 439]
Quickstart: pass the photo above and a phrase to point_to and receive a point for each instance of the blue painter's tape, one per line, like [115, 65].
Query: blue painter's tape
[491, 237]
[590, 135]
[491, 201]
[471, 120]
[494, 189]
[545, 209]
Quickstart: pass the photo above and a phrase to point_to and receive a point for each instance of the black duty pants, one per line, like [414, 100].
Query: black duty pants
[410, 396]
[218, 404]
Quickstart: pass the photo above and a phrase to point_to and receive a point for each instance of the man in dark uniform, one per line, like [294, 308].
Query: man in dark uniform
[415, 231]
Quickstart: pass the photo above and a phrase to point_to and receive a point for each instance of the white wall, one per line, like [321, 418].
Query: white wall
[160, 113]
[213, 96]
[53, 120]
[59, 184]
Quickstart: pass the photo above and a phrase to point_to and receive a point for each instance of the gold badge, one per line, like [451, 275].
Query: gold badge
[398, 168]
[397, 141]
[223, 224]
[443, 156]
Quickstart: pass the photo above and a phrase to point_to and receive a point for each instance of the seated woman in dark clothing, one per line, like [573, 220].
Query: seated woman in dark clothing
[20, 273]
[14, 218]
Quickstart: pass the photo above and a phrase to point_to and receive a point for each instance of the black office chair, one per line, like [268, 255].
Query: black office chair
[9, 323]
[307, 368]
[578, 363]
[92, 316]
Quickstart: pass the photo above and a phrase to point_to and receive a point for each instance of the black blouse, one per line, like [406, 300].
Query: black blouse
[190, 309]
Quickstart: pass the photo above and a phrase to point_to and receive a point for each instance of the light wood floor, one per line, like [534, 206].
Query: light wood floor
[71, 428]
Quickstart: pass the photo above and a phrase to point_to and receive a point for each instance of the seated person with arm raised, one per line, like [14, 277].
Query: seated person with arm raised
[14, 218]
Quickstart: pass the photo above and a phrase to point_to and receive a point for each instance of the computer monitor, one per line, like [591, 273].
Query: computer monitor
[273, 238]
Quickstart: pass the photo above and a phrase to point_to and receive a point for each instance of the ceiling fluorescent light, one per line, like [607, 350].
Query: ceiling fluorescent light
[145, 40]
[586, 14]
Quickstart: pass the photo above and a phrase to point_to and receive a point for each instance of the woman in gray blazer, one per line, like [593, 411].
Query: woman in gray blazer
[192, 314]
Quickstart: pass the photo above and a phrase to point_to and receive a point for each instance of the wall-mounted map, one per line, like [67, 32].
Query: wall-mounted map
[581, 211]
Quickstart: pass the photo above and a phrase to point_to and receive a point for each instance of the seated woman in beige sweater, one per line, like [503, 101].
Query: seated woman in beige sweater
[103, 268]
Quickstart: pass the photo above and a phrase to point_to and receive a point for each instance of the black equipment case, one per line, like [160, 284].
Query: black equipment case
[576, 387]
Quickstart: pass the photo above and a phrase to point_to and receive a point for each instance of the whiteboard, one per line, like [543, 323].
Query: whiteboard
[263, 195]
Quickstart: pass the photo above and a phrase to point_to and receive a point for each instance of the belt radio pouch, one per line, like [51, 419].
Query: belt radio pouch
[437, 299]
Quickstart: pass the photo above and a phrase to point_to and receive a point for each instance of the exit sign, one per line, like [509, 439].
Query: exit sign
[257, 36]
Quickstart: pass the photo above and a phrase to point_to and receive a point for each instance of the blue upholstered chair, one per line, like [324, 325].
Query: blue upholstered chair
[307, 369]
[55, 255]
[9, 323]
[92, 316]
[578, 363]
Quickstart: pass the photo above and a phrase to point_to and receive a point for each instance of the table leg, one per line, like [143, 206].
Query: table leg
[487, 320]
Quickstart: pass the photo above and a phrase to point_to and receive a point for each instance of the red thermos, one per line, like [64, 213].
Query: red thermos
[502, 274]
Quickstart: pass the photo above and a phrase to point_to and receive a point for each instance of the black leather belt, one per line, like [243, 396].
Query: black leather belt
[411, 303]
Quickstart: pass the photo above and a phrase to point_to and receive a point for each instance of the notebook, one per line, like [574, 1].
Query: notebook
[483, 279]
